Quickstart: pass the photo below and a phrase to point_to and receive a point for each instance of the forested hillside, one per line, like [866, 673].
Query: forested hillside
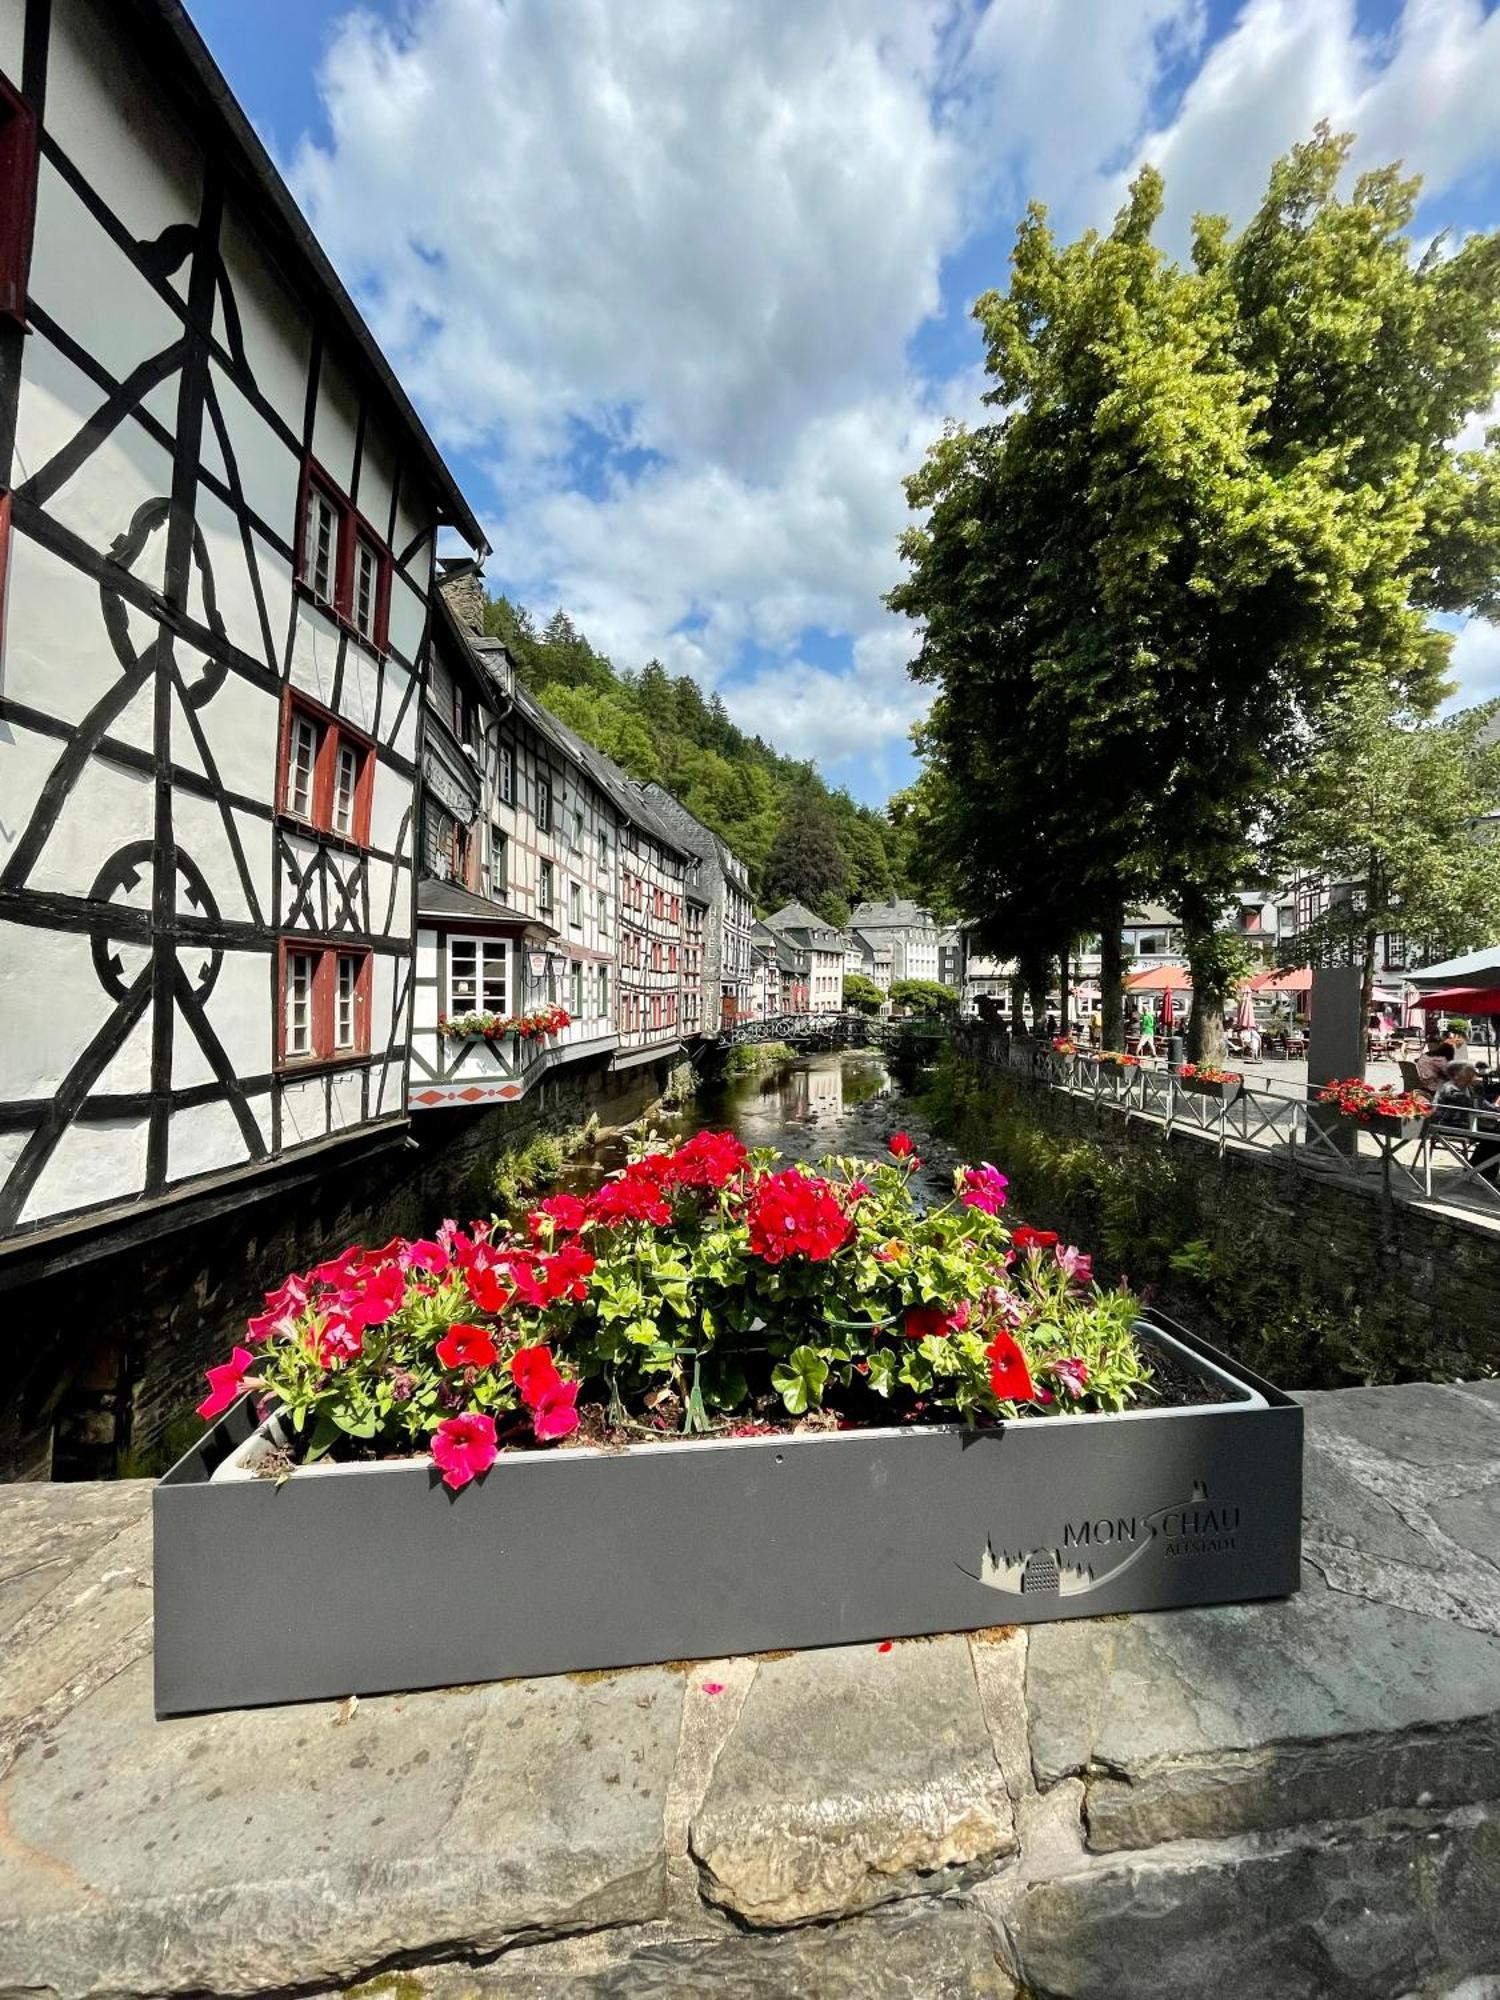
[800, 838]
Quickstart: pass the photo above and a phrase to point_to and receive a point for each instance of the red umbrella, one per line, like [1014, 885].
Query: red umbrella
[1168, 1012]
[1462, 1000]
[1244, 1014]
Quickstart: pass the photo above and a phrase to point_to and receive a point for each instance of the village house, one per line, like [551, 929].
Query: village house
[812, 952]
[724, 885]
[907, 929]
[218, 514]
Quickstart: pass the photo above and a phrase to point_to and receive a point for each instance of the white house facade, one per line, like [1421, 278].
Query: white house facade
[907, 930]
[217, 525]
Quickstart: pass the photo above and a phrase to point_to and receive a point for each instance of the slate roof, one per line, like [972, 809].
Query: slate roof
[900, 913]
[436, 898]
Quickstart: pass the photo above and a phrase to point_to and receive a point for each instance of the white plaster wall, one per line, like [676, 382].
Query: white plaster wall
[335, 423]
[89, 288]
[101, 104]
[199, 827]
[303, 1115]
[270, 473]
[12, 41]
[240, 1014]
[398, 731]
[240, 726]
[392, 798]
[52, 1005]
[315, 652]
[361, 686]
[377, 476]
[127, 468]
[106, 808]
[275, 330]
[57, 656]
[97, 1162]
[203, 1138]
[408, 616]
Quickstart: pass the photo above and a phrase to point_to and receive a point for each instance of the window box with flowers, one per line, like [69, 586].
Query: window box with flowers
[719, 1405]
[1391, 1114]
[1204, 1080]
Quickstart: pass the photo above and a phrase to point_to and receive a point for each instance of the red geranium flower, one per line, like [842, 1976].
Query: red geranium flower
[634, 1196]
[924, 1320]
[566, 1212]
[903, 1149]
[708, 1160]
[533, 1370]
[464, 1346]
[464, 1447]
[795, 1214]
[487, 1292]
[225, 1383]
[554, 1414]
[1026, 1238]
[1010, 1378]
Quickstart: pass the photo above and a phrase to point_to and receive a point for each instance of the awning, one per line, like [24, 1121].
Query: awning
[1158, 979]
[1475, 970]
[1461, 1000]
[1299, 981]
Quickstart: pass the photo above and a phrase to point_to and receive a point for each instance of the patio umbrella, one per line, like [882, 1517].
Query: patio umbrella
[1168, 1018]
[1411, 1010]
[1244, 1013]
[1463, 1000]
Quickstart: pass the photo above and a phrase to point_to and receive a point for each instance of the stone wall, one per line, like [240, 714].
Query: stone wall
[107, 1358]
[1317, 1280]
[1293, 1800]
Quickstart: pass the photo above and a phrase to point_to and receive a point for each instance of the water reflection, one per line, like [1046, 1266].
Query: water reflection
[817, 1093]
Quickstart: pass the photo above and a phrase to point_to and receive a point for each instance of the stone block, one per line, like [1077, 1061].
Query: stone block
[853, 1776]
[253, 1851]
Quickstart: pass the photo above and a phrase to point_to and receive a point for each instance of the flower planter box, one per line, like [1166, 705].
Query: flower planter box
[1200, 1087]
[1398, 1130]
[366, 1578]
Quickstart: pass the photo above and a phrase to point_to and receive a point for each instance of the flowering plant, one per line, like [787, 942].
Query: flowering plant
[491, 1027]
[1064, 1045]
[1208, 1073]
[1119, 1057]
[705, 1280]
[1361, 1100]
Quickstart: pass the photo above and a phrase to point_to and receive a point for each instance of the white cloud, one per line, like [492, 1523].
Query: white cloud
[1424, 94]
[1475, 663]
[712, 232]
[716, 220]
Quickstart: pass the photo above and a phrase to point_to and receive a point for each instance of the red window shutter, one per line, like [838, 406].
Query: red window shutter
[18, 156]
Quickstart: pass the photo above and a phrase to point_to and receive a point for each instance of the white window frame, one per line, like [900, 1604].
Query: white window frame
[322, 560]
[507, 774]
[603, 992]
[346, 1002]
[305, 732]
[485, 951]
[575, 906]
[545, 805]
[298, 1035]
[345, 800]
[546, 885]
[364, 608]
[576, 989]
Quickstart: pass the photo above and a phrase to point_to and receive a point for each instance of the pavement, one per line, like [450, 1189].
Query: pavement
[1298, 1799]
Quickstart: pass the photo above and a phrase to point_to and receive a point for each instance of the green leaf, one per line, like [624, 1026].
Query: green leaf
[800, 1379]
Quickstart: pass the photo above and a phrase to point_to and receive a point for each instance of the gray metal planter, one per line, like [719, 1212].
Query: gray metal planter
[364, 1578]
[1202, 1087]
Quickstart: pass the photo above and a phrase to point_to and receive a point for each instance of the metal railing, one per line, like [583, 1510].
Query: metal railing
[1461, 1149]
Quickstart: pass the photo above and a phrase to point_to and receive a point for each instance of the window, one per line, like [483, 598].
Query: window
[462, 715]
[544, 805]
[346, 1001]
[671, 958]
[575, 905]
[345, 788]
[656, 954]
[601, 911]
[604, 991]
[17, 199]
[301, 967]
[366, 585]
[544, 886]
[499, 861]
[576, 1008]
[659, 902]
[325, 1002]
[507, 774]
[327, 771]
[320, 543]
[676, 910]
[603, 847]
[578, 826]
[342, 561]
[477, 975]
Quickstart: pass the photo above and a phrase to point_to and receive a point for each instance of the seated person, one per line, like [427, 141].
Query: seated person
[1435, 1062]
[1457, 1098]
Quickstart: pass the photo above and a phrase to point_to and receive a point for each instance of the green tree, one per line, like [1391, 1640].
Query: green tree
[923, 996]
[1399, 815]
[862, 994]
[805, 864]
[1220, 499]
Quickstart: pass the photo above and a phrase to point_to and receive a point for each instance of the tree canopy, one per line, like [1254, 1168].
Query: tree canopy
[1218, 500]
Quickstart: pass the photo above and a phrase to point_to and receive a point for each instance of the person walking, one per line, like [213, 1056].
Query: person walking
[1148, 1030]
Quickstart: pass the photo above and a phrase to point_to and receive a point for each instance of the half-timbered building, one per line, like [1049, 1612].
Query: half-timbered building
[516, 905]
[217, 525]
[721, 882]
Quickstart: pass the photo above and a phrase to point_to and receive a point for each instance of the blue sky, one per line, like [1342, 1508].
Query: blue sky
[682, 286]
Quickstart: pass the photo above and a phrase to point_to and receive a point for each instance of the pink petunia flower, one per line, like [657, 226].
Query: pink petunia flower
[226, 1384]
[1073, 1263]
[983, 1187]
[463, 1447]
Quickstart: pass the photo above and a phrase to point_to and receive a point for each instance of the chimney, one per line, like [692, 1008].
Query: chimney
[462, 584]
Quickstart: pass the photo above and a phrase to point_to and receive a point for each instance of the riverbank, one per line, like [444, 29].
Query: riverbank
[1285, 1801]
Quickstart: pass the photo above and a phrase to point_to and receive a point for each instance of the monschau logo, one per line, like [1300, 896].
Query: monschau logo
[1091, 1553]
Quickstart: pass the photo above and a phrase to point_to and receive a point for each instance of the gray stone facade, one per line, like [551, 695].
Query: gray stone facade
[1290, 1801]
